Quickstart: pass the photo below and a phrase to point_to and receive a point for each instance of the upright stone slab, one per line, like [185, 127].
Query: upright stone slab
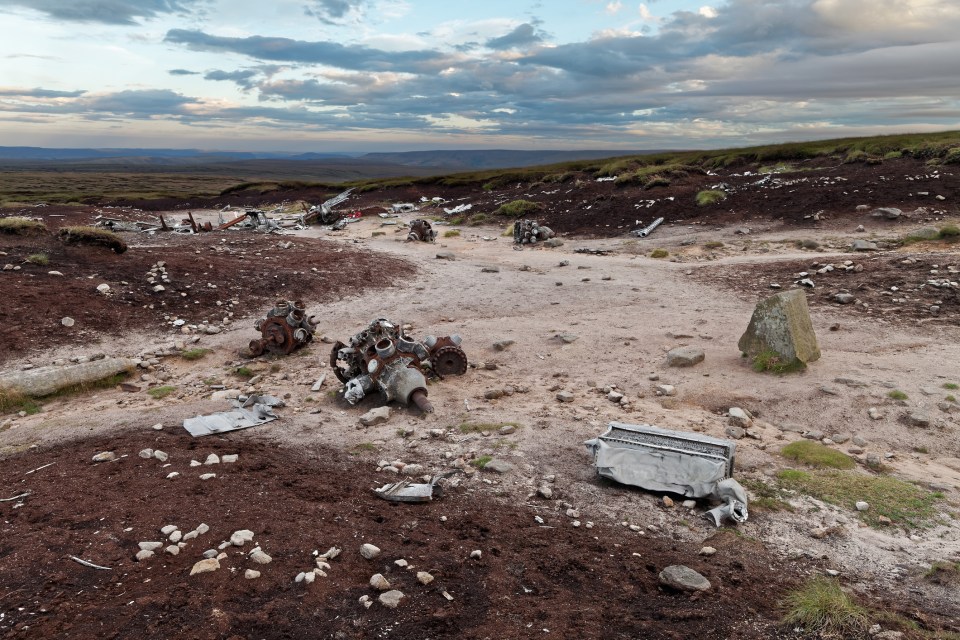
[782, 324]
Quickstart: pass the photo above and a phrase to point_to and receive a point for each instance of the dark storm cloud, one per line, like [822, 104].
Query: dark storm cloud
[105, 11]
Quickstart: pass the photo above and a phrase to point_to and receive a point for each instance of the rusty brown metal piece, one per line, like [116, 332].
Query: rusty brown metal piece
[227, 225]
[285, 329]
[449, 360]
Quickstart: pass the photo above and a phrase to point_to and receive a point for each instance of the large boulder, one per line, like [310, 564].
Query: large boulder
[781, 325]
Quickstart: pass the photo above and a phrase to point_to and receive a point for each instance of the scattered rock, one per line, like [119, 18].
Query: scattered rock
[862, 506]
[205, 566]
[212, 459]
[375, 416]
[258, 556]
[666, 390]
[497, 465]
[241, 537]
[251, 574]
[736, 433]
[707, 551]
[208, 476]
[391, 599]
[685, 356]
[683, 579]
[864, 245]
[740, 417]
[476, 554]
[105, 456]
[564, 396]
[890, 213]
[369, 551]
[143, 554]
[917, 419]
[378, 582]
[146, 454]
[446, 255]
[424, 577]
[501, 345]
[161, 455]
[844, 298]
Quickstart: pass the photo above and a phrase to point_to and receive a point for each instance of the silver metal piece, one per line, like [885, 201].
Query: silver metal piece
[249, 411]
[406, 491]
[643, 233]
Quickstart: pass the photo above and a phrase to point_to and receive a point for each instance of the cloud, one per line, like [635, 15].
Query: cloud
[242, 77]
[38, 93]
[320, 52]
[614, 7]
[182, 72]
[334, 12]
[123, 12]
[524, 35]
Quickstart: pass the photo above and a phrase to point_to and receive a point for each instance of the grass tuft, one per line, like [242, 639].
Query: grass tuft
[713, 244]
[92, 236]
[710, 196]
[451, 233]
[22, 226]
[896, 394]
[951, 386]
[244, 372]
[772, 362]
[481, 462]
[13, 401]
[903, 503]
[659, 253]
[517, 208]
[158, 393]
[821, 607]
[817, 455]
[195, 353]
[945, 573]
[40, 259]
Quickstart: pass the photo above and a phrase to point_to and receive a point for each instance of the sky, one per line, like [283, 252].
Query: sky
[393, 75]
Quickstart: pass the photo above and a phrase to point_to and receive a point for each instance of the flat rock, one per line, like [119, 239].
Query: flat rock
[369, 551]
[143, 554]
[683, 579]
[424, 578]
[564, 396]
[864, 245]
[391, 599]
[205, 566]
[258, 556]
[498, 466]
[375, 416]
[501, 345]
[918, 419]
[241, 537]
[446, 255]
[378, 582]
[251, 574]
[666, 390]
[740, 418]
[106, 456]
[736, 433]
[685, 356]
[890, 213]
[844, 298]
[146, 454]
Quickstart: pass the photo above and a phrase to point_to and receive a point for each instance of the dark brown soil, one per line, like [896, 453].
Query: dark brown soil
[531, 581]
[904, 277]
[250, 269]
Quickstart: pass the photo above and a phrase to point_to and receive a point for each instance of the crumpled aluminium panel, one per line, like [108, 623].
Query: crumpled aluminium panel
[689, 464]
[248, 412]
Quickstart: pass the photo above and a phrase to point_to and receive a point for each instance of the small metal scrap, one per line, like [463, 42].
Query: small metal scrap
[89, 564]
[22, 495]
[406, 491]
[643, 233]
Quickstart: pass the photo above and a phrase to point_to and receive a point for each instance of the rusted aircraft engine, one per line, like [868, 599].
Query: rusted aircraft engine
[421, 231]
[285, 329]
[530, 232]
[383, 357]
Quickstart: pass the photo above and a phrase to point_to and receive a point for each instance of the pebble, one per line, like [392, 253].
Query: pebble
[232, 457]
[391, 599]
[210, 553]
[146, 454]
[176, 536]
[666, 389]
[476, 554]
[149, 546]
[144, 554]
[258, 556]
[212, 459]
[366, 601]
[683, 579]
[375, 416]
[565, 396]
[251, 574]
[424, 577]
[685, 356]
[862, 506]
[173, 549]
[202, 528]
[168, 529]
[208, 476]
[378, 582]
[707, 551]
[161, 455]
[369, 551]
[157, 427]
[173, 474]
[689, 504]
[106, 456]
[241, 537]
[205, 566]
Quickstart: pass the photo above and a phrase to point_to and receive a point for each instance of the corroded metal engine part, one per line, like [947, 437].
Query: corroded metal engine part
[382, 357]
[285, 329]
[421, 231]
[530, 232]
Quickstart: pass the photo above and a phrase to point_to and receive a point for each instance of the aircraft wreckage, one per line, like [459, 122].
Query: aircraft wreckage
[285, 329]
[382, 357]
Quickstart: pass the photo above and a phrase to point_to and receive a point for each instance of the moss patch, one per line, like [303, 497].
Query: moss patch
[817, 455]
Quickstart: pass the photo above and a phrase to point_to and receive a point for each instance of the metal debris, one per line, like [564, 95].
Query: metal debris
[593, 252]
[17, 497]
[249, 411]
[421, 231]
[689, 464]
[643, 233]
[406, 491]
[285, 329]
[530, 232]
[383, 357]
[403, 207]
[89, 564]
[324, 212]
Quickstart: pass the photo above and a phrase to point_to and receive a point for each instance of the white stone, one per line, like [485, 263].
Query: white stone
[369, 551]
[251, 574]
[378, 582]
[212, 459]
[208, 476]
[205, 566]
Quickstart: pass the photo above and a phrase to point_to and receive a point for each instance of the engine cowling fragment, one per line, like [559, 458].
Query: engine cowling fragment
[285, 329]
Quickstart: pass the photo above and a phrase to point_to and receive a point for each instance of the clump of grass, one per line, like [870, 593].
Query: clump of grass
[713, 244]
[770, 361]
[517, 208]
[40, 259]
[821, 607]
[896, 394]
[817, 455]
[212, 381]
[949, 232]
[378, 233]
[481, 462]
[364, 447]
[951, 386]
[558, 177]
[194, 354]
[456, 220]
[14, 401]
[478, 219]
[857, 155]
[451, 233]
[244, 372]
[765, 496]
[951, 398]
[952, 156]
[892, 155]
[659, 253]
[710, 196]
[22, 226]
[903, 503]
[478, 427]
[808, 244]
[158, 393]
[946, 573]
[92, 236]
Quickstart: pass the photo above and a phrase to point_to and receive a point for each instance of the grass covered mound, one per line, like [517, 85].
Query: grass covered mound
[22, 226]
[92, 236]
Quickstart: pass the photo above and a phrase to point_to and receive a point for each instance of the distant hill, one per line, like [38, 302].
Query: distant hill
[195, 155]
[492, 158]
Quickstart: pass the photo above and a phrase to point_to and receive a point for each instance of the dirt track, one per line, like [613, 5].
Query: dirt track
[625, 310]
